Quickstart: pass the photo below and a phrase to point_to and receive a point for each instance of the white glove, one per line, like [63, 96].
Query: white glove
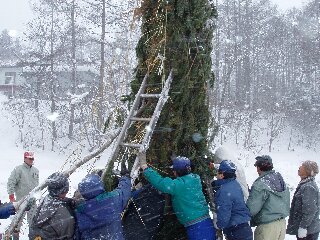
[302, 233]
[16, 205]
[215, 219]
[142, 160]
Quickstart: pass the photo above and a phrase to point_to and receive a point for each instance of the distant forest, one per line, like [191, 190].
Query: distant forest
[265, 63]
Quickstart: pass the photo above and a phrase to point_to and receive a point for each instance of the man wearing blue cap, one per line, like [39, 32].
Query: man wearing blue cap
[232, 213]
[268, 202]
[188, 201]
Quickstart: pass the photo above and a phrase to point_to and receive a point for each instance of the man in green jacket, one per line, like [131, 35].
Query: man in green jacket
[268, 202]
[22, 180]
[188, 201]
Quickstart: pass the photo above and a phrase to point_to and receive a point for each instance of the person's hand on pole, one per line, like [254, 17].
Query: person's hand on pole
[143, 160]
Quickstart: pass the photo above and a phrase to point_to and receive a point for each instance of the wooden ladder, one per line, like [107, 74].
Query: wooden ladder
[152, 121]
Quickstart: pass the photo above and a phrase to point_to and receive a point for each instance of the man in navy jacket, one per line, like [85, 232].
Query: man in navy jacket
[6, 210]
[99, 216]
[232, 213]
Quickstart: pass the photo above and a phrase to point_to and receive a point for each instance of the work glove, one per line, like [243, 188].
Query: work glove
[215, 219]
[302, 233]
[16, 207]
[125, 172]
[30, 203]
[142, 160]
[70, 202]
[11, 197]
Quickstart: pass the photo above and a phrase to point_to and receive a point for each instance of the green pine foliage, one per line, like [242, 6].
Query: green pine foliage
[181, 31]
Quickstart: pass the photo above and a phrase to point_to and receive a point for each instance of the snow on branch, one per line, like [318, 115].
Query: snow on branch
[24, 202]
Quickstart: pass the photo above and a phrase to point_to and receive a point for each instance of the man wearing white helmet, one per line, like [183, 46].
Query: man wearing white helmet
[22, 180]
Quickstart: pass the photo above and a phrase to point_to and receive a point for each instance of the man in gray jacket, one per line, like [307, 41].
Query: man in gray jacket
[22, 180]
[304, 219]
[268, 202]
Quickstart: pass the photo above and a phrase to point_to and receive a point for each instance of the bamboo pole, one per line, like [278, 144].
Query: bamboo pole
[22, 204]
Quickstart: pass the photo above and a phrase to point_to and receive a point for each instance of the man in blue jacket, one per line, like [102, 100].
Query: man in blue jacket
[99, 216]
[188, 201]
[6, 210]
[232, 213]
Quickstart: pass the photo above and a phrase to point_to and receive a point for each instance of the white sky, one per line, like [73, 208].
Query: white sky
[14, 14]
[286, 4]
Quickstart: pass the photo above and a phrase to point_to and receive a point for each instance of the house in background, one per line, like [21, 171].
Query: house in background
[11, 79]
[14, 79]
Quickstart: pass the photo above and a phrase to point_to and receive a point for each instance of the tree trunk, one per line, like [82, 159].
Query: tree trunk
[74, 69]
[101, 89]
[52, 81]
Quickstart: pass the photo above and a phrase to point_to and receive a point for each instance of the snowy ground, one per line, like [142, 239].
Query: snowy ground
[48, 162]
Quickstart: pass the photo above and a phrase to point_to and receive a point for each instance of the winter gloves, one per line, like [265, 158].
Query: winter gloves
[11, 197]
[16, 207]
[31, 202]
[302, 233]
[215, 219]
[125, 172]
[143, 160]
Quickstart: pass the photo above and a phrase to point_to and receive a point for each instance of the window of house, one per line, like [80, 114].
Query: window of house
[10, 78]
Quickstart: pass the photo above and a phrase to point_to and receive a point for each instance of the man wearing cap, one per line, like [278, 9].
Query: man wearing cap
[224, 153]
[188, 201]
[232, 213]
[268, 202]
[22, 180]
[54, 218]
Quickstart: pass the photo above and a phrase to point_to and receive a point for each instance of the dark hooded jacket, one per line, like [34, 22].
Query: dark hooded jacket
[269, 198]
[305, 208]
[99, 217]
[54, 219]
[144, 215]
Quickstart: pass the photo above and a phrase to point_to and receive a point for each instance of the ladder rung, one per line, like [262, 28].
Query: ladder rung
[146, 95]
[134, 145]
[140, 119]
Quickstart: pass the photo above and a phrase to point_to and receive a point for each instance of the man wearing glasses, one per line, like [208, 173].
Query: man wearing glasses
[22, 180]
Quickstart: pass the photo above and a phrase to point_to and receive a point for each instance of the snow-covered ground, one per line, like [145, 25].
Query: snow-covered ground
[48, 162]
[287, 163]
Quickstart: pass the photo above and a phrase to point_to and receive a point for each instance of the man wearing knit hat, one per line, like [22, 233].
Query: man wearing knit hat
[268, 202]
[304, 219]
[54, 218]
